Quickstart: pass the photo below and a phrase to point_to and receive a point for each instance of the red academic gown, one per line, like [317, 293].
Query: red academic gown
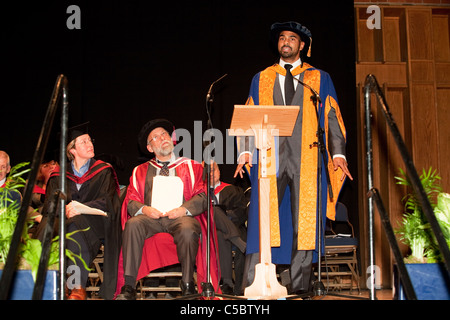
[160, 250]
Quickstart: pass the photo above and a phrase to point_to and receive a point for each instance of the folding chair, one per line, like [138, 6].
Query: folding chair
[340, 266]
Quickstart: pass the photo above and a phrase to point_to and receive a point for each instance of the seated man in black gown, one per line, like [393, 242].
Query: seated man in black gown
[94, 184]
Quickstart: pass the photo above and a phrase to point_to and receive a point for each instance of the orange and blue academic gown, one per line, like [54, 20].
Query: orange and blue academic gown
[281, 230]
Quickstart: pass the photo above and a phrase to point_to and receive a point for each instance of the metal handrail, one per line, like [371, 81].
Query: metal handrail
[59, 89]
[371, 85]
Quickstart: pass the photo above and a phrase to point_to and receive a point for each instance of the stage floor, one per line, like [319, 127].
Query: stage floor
[384, 294]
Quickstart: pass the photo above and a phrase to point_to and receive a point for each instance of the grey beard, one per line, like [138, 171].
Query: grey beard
[166, 151]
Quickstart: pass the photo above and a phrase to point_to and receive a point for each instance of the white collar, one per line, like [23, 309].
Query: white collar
[294, 65]
[172, 159]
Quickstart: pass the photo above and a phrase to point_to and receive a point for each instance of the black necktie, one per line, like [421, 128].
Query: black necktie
[164, 170]
[213, 196]
[289, 90]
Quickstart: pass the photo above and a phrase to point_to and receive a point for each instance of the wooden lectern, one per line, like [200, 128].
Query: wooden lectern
[264, 122]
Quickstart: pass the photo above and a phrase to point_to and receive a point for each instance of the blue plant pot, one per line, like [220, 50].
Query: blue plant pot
[430, 281]
[23, 284]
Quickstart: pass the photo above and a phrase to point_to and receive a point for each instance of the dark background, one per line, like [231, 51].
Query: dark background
[137, 60]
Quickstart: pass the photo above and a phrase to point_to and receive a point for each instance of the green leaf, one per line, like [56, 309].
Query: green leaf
[414, 228]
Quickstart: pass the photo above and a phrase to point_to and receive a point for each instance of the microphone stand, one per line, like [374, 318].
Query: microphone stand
[318, 287]
[208, 292]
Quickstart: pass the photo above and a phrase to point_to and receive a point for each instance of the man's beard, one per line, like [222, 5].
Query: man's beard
[289, 54]
[164, 151]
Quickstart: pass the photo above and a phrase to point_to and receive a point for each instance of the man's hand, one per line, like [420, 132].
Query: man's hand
[152, 212]
[340, 162]
[176, 213]
[70, 211]
[243, 159]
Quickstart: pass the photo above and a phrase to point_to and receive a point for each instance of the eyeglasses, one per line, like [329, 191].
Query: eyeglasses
[158, 137]
[85, 141]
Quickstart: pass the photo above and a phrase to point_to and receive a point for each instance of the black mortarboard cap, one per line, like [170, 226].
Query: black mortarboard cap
[76, 131]
[149, 127]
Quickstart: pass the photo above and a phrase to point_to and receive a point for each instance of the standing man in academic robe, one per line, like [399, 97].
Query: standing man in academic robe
[94, 184]
[142, 219]
[294, 185]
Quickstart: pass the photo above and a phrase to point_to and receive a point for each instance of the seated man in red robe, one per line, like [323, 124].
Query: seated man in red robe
[142, 218]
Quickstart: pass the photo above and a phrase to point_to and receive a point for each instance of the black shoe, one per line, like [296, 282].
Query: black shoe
[304, 294]
[127, 293]
[227, 289]
[187, 288]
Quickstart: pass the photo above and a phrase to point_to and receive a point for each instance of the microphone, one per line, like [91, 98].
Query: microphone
[209, 95]
[315, 96]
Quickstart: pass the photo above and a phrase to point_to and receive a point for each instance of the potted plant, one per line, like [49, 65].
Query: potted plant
[30, 249]
[424, 264]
